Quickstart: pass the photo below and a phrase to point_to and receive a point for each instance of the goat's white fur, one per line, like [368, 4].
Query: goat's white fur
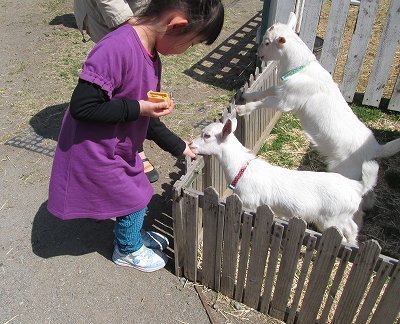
[312, 95]
[325, 199]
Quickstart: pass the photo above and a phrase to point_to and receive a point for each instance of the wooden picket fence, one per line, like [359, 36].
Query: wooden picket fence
[281, 268]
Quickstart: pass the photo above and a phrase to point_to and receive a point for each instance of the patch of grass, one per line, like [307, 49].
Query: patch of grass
[378, 119]
[71, 67]
[286, 138]
[369, 115]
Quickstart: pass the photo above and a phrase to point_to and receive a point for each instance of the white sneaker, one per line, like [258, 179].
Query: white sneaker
[144, 259]
[154, 240]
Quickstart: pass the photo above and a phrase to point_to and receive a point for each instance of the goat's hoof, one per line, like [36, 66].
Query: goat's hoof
[241, 110]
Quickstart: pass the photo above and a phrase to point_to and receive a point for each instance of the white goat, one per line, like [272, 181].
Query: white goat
[325, 199]
[308, 91]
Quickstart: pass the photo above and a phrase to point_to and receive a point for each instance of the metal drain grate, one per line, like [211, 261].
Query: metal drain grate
[31, 141]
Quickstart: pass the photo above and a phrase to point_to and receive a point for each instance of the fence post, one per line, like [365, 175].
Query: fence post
[178, 228]
[231, 243]
[326, 255]
[210, 223]
[357, 281]
[260, 245]
[190, 225]
[287, 269]
[388, 307]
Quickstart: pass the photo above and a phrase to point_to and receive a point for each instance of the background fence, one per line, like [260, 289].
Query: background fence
[365, 58]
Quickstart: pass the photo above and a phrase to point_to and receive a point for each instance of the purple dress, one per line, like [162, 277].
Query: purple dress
[97, 172]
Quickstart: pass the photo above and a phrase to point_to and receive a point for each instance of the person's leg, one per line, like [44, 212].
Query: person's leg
[149, 169]
[127, 231]
[129, 250]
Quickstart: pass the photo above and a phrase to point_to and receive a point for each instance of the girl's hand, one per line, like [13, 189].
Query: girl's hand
[155, 109]
[188, 152]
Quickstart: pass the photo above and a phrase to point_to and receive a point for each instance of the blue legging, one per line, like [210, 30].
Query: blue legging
[127, 231]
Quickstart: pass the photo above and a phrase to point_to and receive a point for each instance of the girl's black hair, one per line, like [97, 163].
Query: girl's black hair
[206, 17]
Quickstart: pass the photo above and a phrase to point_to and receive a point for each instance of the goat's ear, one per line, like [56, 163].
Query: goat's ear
[292, 20]
[227, 129]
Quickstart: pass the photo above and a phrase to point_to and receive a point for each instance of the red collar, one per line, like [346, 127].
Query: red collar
[239, 174]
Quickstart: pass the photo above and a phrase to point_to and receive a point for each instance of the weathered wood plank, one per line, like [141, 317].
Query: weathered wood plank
[344, 260]
[244, 255]
[325, 259]
[302, 278]
[195, 169]
[299, 14]
[279, 11]
[394, 103]
[384, 56]
[334, 32]
[218, 248]
[389, 306]
[287, 269]
[277, 236]
[177, 224]
[373, 293]
[357, 281]
[309, 23]
[190, 216]
[207, 176]
[259, 251]
[210, 223]
[231, 243]
[358, 48]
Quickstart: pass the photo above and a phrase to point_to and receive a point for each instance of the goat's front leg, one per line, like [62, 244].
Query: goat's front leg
[266, 103]
[259, 95]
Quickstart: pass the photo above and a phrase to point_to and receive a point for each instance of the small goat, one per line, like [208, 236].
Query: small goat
[322, 198]
[308, 91]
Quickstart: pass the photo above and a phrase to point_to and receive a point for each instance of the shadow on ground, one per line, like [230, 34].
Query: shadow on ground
[47, 122]
[229, 65]
[53, 237]
[44, 128]
[67, 20]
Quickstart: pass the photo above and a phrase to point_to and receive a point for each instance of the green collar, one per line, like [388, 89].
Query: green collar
[293, 71]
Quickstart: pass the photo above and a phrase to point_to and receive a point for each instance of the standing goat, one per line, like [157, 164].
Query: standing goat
[308, 90]
[325, 199]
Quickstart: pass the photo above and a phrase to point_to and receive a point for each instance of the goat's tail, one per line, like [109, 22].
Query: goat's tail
[389, 148]
[369, 175]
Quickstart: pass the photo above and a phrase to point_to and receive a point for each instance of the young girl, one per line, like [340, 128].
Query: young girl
[97, 172]
[100, 17]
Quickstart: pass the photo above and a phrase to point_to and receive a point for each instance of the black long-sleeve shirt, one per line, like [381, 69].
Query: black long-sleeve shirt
[90, 103]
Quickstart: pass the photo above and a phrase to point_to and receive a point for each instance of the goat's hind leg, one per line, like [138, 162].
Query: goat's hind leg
[346, 226]
[349, 229]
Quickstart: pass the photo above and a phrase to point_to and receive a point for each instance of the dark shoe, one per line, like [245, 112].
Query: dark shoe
[150, 171]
